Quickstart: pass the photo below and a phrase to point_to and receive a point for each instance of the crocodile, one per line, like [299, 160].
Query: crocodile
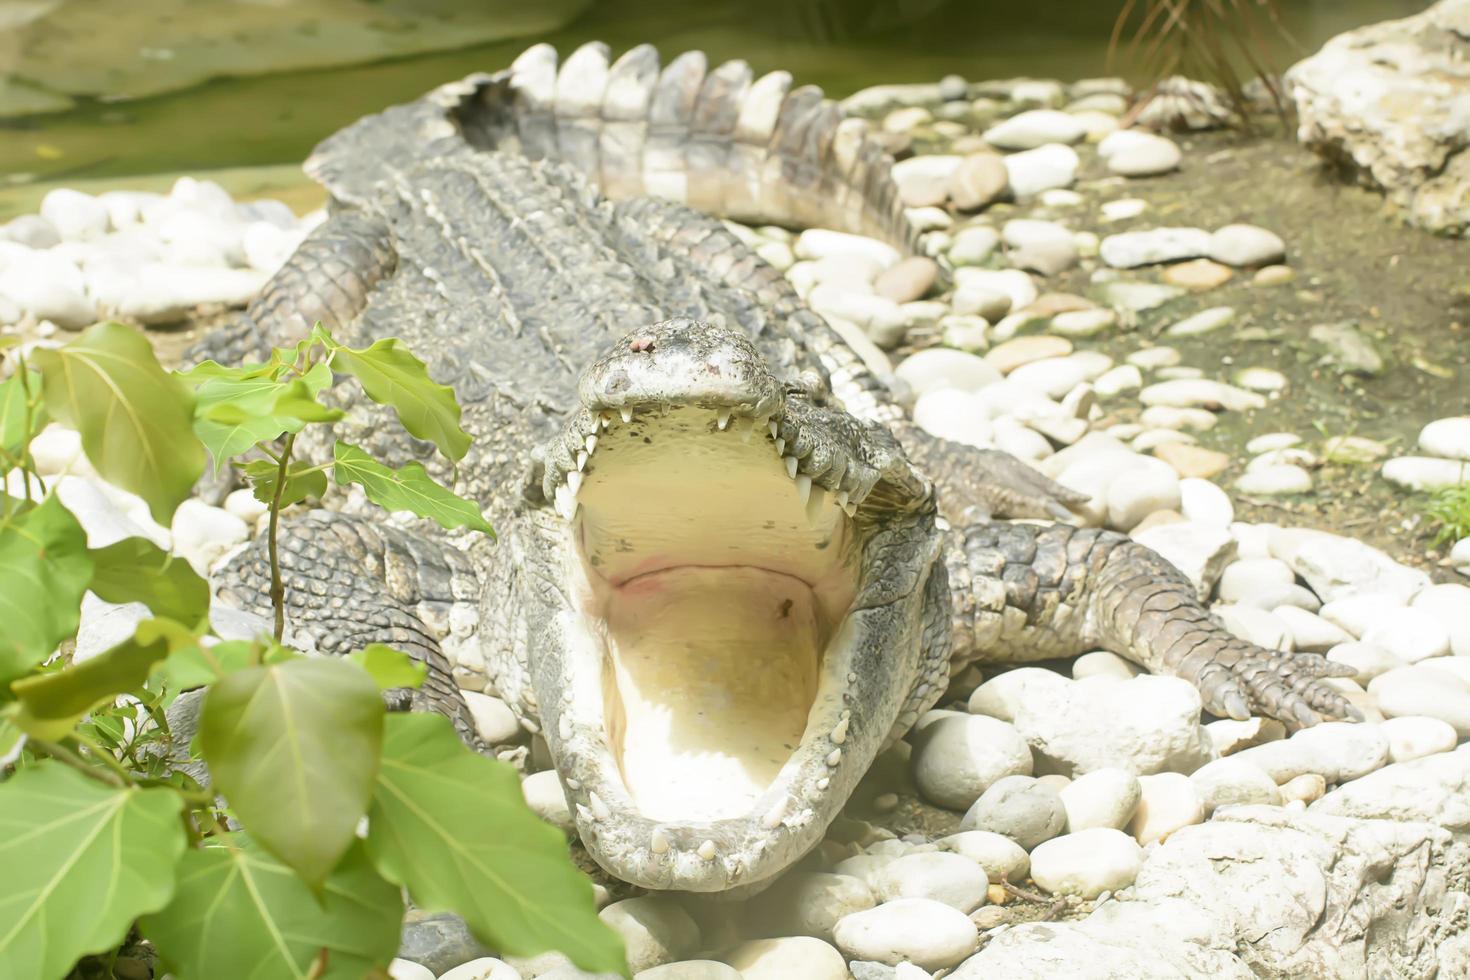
[730, 568]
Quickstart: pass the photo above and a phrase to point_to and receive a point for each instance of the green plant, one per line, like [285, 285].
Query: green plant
[1449, 508]
[263, 871]
[1208, 40]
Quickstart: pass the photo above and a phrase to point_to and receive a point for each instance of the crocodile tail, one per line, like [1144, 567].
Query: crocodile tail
[756, 150]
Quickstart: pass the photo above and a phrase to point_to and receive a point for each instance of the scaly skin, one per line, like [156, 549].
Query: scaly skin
[550, 309]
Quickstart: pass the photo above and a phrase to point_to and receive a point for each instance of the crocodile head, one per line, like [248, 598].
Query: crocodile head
[734, 599]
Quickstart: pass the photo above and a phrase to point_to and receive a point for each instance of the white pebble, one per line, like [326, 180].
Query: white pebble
[1246, 245]
[956, 759]
[1448, 437]
[1168, 802]
[1087, 863]
[1411, 634]
[1273, 480]
[949, 878]
[1449, 604]
[1130, 249]
[1101, 798]
[924, 932]
[1205, 503]
[1411, 737]
[1034, 171]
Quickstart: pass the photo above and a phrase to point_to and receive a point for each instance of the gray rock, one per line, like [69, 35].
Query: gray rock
[1019, 807]
[1347, 348]
[1087, 863]
[439, 941]
[926, 933]
[958, 758]
[944, 877]
[809, 903]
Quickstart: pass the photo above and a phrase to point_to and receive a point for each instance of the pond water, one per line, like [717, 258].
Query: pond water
[87, 54]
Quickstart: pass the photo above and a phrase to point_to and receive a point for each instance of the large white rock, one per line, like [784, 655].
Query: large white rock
[45, 285]
[957, 758]
[1087, 863]
[1411, 634]
[940, 367]
[1146, 724]
[1426, 472]
[1390, 99]
[202, 533]
[926, 933]
[1338, 567]
[1205, 503]
[1410, 737]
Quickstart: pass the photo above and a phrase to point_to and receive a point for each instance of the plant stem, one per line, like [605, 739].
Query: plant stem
[103, 756]
[65, 755]
[26, 464]
[278, 588]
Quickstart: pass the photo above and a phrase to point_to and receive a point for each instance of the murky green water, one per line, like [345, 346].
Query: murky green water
[274, 118]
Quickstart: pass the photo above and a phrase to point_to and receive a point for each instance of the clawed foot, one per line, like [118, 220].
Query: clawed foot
[1243, 679]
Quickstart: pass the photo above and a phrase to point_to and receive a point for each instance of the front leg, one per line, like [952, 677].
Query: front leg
[1022, 592]
[977, 484]
[351, 582]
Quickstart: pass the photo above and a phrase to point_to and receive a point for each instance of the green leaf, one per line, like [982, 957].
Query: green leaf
[389, 668]
[137, 570]
[196, 665]
[302, 480]
[392, 376]
[11, 740]
[51, 704]
[294, 748]
[82, 860]
[44, 569]
[135, 419]
[453, 828]
[410, 488]
[13, 431]
[239, 912]
[294, 402]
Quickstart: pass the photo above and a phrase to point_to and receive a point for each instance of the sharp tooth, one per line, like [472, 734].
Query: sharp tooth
[658, 841]
[706, 850]
[850, 509]
[814, 504]
[627, 414]
[790, 462]
[774, 815]
[775, 429]
[604, 420]
[804, 487]
[746, 428]
[591, 445]
[566, 502]
[723, 421]
[599, 808]
[582, 459]
[574, 483]
[842, 499]
[780, 446]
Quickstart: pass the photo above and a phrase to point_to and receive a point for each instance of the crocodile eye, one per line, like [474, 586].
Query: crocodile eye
[812, 384]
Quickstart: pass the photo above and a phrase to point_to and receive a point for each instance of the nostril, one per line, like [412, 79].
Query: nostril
[642, 345]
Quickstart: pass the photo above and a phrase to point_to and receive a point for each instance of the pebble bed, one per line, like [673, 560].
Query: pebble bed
[1079, 792]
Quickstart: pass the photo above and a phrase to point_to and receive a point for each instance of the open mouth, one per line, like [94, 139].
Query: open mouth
[718, 672]
[713, 583]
